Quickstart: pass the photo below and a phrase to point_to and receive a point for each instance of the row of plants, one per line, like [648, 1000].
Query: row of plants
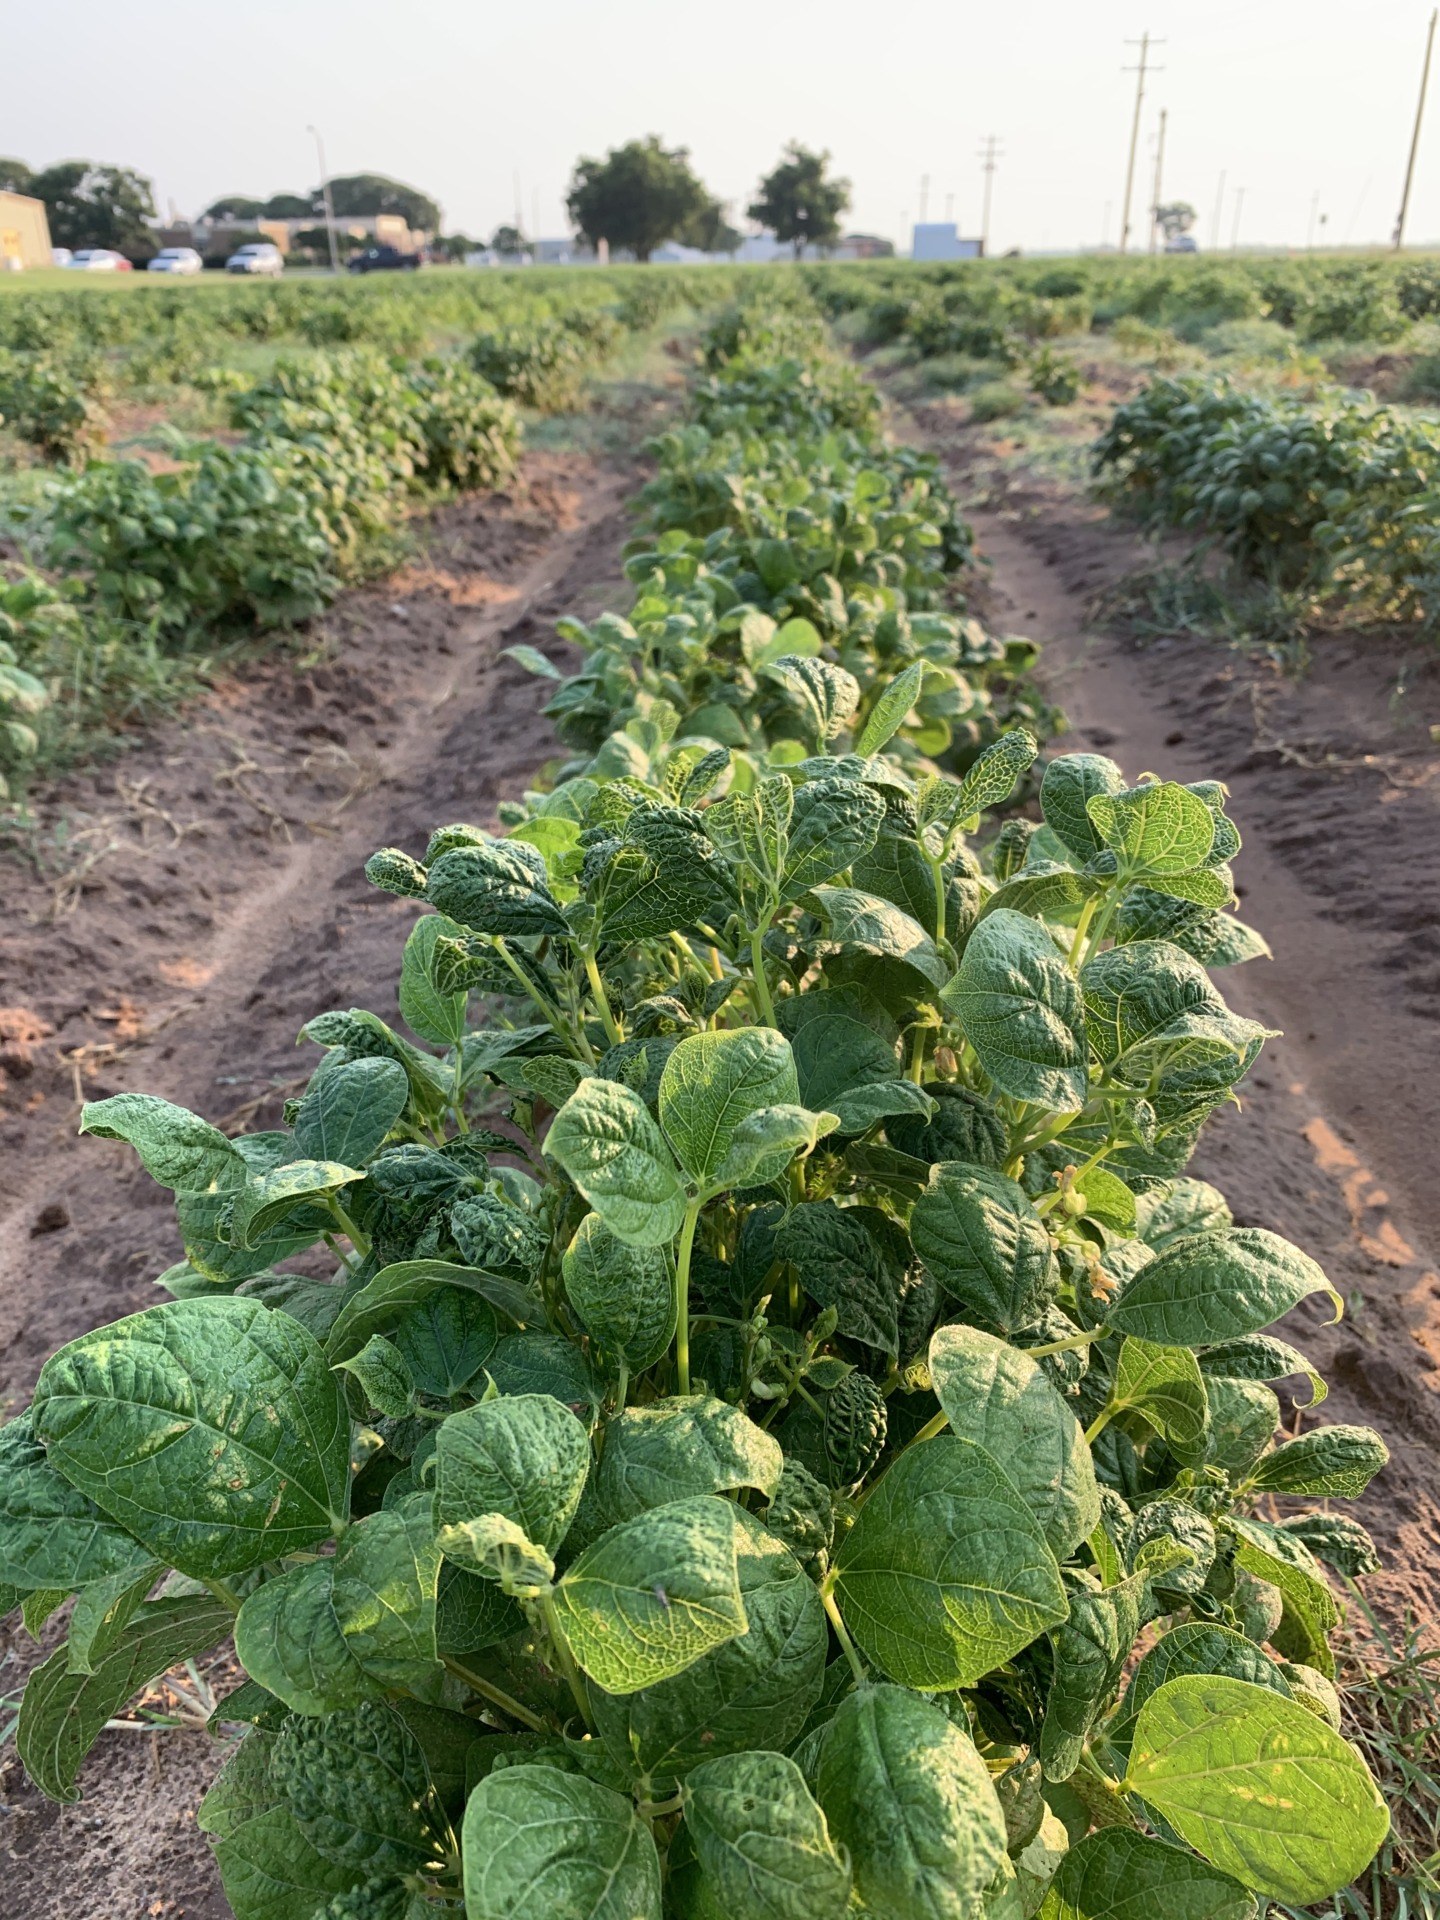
[1335, 502]
[777, 1432]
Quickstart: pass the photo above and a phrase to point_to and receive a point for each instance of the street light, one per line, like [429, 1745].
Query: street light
[325, 191]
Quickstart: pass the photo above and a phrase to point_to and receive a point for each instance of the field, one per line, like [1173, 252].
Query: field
[802, 1100]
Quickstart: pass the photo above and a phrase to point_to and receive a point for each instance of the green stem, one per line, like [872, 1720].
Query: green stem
[551, 1014]
[224, 1593]
[937, 875]
[597, 987]
[937, 1423]
[357, 1239]
[765, 1006]
[682, 1296]
[1068, 1346]
[842, 1634]
[915, 1066]
[1098, 1425]
[1082, 927]
[497, 1696]
[622, 1387]
[565, 1659]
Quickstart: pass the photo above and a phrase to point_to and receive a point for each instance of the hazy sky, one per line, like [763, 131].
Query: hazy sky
[1289, 98]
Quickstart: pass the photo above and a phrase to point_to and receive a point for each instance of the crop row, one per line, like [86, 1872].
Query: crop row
[775, 1367]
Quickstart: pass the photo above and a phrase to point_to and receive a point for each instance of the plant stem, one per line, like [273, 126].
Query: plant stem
[565, 1659]
[597, 987]
[1067, 1346]
[357, 1239]
[937, 1423]
[842, 1634]
[497, 1696]
[1082, 927]
[765, 1006]
[682, 1296]
[622, 1387]
[915, 1066]
[225, 1594]
[1098, 1425]
[937, 875]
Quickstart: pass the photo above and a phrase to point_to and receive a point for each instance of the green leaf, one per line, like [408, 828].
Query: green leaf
[177, 1148]
[765, 1142]
[994, 775]
[1158, 829]
[624, 1296]
[905, 1791]
[435, 1016]
[382, 1303]
[665, 875]
[986, 1245]
[499, 888]
[1118, 1874]
[1020, 1007]
[212, 1429]
[1281, 1557]
[1065, 793]
[63, 1712]
[946, 1572]
[1258, 1785]
[445, 1340]
[832, 823]
[534, 1362]
[1217, 1286]
[102, 1614]
[834, 1052]
[1003, 1401]
[673, 1449]
[826, 695]
[270, 1871]
[606, 1140]
[840, 1256]
[51, 1534]
[1197, 1646]
[348, 1109]
[864, 925]
[383, 1376]
[715, 1081]
[499, 1550]
[887, 716]
[654, 1594]
[541, 1842]
[1090, 1651]
[1174, 1209]
[524, 1456]
[759, 1686]
[1143, 999]
[359, 1787]
[1164, 1385]
[762, 1842]
[1335, 1463]
[352, 1627]
[1260, 1356]
[266, 1202]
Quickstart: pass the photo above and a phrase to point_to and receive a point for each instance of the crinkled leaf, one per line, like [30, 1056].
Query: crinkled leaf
[606, 1140]
[983, 1241]
[672, 1449]
[763, 1844]
[52, 1534]
[524, 1455]
[1215, 1286]
[177, 1147]
[1021, 1010]
[712, 1083]
[541, 1842]
[623, 1295]
[1118, 1874]
[499, 888]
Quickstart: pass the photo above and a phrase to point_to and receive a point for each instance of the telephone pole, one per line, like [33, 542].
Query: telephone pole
[1144, 43]
[1415, 136]
[1155, 201]
[990, 158]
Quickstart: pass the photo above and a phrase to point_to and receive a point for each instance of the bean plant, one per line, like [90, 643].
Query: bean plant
[765, 1424]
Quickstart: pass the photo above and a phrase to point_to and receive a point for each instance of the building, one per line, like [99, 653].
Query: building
[940, 240]
[24, 233]
[221, 236]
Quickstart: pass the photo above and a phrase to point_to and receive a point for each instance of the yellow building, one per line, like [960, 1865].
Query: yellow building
[24, 233]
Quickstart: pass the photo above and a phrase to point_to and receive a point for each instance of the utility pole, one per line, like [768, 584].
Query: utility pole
[1145, 43]
[1155, 202]
[1235, 229]
[990, 158]
[1219, 210]
[1415, 136]
[924, 198]
[329, 204]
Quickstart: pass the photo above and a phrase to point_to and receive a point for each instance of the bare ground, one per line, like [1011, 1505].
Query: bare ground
[1335, 782]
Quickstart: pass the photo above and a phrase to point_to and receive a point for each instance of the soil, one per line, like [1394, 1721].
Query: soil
[186, 909]
[1335, 784]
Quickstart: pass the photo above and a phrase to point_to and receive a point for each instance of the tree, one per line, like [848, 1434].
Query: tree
[1175, 218]
[507, 241]
[711, 230]
[15, 177]
[235, 206]
[636, 198]
[360, 196]
[289, 206]
[797, 203]
[91, 206]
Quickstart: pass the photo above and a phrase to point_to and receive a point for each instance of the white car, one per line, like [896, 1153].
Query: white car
[176, 260]
[259, 256]
[95, 260]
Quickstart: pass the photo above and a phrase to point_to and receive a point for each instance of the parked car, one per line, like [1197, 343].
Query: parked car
[98, 260]
[1182, 243]
[61, 256]
[257, 256]
[383, 260]
[176, 260]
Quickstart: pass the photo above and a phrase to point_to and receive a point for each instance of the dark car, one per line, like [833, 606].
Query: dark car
[383, 260]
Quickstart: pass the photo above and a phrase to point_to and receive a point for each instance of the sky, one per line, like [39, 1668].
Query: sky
[1304, 106]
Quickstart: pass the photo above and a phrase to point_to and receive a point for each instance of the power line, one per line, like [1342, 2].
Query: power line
[1145, 43]
[1415, 136]
[990, 158]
